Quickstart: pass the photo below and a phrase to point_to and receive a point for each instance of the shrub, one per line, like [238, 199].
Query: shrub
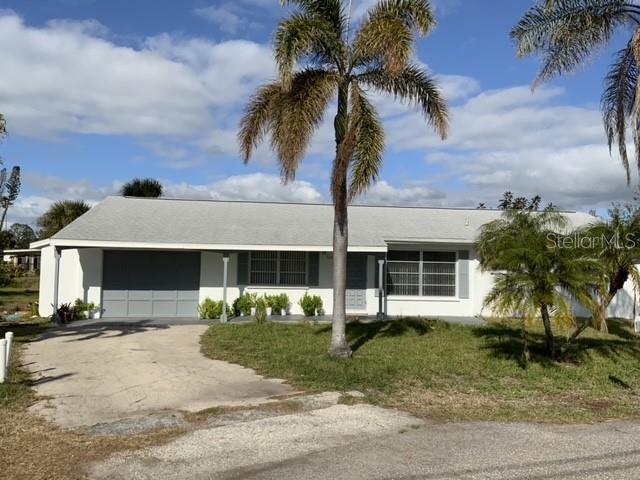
[210, 309]
[64, 313]
[310, 304]
[244, 303]
[261, 310]
[319, 305]
[280, 303]
[80, 307]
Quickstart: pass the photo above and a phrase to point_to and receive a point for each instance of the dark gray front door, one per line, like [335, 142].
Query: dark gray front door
[356, 295]
[150, 284]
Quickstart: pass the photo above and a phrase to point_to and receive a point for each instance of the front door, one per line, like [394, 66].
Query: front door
[356, 297]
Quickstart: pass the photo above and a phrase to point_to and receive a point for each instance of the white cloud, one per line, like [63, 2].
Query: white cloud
[221, 16]
[383, 193]
[255, 186]
[66, 78]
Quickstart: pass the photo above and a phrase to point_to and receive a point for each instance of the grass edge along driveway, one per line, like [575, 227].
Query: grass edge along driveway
[446, 371]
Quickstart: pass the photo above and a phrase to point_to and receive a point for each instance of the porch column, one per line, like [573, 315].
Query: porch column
[225, 270]
[380, 289]
[56, 281]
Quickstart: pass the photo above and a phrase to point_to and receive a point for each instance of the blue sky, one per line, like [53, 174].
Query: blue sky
[96, 92]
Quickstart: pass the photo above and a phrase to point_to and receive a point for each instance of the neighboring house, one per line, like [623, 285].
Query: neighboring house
[27, 258]
[142, 257]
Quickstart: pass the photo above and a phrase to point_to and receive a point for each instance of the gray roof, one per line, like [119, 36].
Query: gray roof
[209, 222]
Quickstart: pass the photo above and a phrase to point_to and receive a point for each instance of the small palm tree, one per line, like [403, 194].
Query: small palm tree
[59, 215]
[290, 109]
[567, 32]
[535, 277]
[615, 243]
[145, 187]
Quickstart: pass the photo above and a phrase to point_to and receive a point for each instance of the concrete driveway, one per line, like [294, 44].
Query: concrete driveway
[104, 373]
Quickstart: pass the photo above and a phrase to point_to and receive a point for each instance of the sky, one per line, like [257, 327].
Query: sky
[96, 92]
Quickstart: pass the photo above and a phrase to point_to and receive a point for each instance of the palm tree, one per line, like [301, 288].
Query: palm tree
[59, 215]
[10, 190]
[145, 187]
[615, 242]
[566, 33]
[290, 109]
[535, 276]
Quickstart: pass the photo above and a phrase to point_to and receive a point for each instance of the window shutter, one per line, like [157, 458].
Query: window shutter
[243, 268]
[314, 269]
[463, 273]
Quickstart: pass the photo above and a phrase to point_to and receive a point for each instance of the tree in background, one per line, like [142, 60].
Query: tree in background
[510, 202]
[142, 187]
[535, 276]
[59, 215]
[566, 33]
[615, 243]
[317, 61]
[10, 191]
[23, 235]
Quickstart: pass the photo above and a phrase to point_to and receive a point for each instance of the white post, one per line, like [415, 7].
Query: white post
[56, 281]
[3, 360]
[9, 338]
[380, 289]
[225, 269]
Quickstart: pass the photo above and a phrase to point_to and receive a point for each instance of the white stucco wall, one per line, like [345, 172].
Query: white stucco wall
[81, 277]
[622, 305]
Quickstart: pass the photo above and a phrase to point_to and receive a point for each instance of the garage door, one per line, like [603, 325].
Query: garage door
[150, 284]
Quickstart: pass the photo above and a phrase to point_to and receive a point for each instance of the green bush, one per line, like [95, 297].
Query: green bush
[9, 273]
[80, 307]
[279, 303]
[310, 304]
[261, 310]
[244, 303]
[210, 309]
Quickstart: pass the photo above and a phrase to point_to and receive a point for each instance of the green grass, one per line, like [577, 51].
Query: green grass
[451, 372]
[13, 299]
[16, 391]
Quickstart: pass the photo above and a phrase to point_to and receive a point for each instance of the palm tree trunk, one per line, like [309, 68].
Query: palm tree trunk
[339, 346]
[546, 321]
[5, 207]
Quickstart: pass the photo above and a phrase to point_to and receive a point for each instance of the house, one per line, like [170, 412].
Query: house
[142, 257]
[27, 258]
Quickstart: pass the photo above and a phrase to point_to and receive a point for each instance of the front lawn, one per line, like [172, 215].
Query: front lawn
[13, 299]
[447, 371]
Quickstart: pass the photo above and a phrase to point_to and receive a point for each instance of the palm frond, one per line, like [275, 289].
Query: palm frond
[305, 35]
[618, 101]
[330, 10]
[414, 86]
[369, 145]
[567, 32]
[387, 33]
[257, 118]
[290, 116]
[297, 113]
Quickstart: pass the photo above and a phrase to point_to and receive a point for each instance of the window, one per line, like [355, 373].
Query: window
[293, 268]
[278, 268]
[421, 273]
